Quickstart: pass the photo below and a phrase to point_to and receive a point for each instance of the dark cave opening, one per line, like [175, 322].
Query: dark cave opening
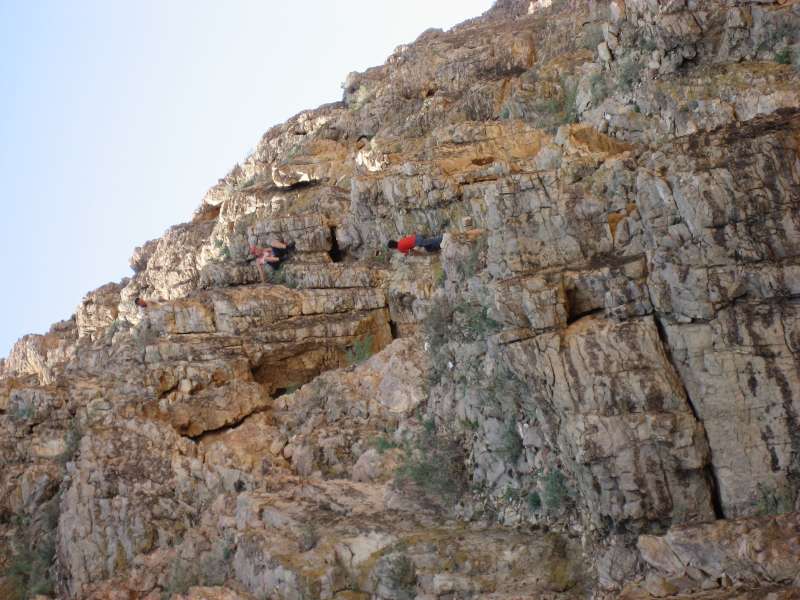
[335, 252]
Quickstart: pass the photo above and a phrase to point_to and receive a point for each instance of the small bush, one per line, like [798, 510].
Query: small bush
[360, 351]
[181, 577]
[471, 265]
[784, 32]
[474, 322]
[562, 108]
[279, 276]
[570, 108]
[28, 570]
[512, 447]
[434, 462]
[470, 424]
[382, 255]
[784, 57]
[599, 88]
[73, 442]
[360, 98]
[446, 323]
[403, 573]
[275, 276]
[646, 44]
[228, 551]
[556, 493]
[383, 444]
[773, 501]
[505, 113]
[511, 494]
[630, 74]
[439, 276]
[534, 502]
[22, 411]
[505, 388]
[437, 323]
[223, 252]
[395, 575]
[309, 538]
[115, 326]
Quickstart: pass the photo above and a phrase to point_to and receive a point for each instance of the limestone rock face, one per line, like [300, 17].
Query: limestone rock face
[622, 417]
[38, 355]
[98, 310]
[591, 391]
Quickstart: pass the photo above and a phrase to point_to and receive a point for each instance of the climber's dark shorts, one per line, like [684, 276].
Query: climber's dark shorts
[281, 254]
[430, 244]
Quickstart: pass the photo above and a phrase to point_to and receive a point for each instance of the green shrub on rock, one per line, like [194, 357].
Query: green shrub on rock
[773, 501]
[445, 323]
[512, 444]
[434, 461]
[784, 57]
[534, 502]
[360, 351]
[33, 552]
[556, 494]
[630, 71]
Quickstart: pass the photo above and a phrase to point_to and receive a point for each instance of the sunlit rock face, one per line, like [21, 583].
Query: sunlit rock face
[592, 390]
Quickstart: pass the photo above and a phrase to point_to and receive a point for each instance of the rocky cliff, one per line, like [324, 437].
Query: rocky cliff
[592, 391]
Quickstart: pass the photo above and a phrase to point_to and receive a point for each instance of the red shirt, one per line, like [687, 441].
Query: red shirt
[407, 243]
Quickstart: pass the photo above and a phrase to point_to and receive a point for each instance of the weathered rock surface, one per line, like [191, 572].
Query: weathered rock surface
[592, 391]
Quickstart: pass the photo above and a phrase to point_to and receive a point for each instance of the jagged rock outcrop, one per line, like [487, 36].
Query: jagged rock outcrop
[592, 391]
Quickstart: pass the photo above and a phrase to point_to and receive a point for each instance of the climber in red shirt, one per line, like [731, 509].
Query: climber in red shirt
[409, 242]
[138, 301]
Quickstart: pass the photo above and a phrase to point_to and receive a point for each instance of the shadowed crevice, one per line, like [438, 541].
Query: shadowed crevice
[710, 474]
[336, 254]
[222, 429]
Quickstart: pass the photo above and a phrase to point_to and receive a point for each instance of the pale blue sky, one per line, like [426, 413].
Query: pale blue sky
[116, 117]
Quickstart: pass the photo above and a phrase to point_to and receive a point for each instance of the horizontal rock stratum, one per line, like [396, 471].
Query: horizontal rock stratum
[591, 391]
